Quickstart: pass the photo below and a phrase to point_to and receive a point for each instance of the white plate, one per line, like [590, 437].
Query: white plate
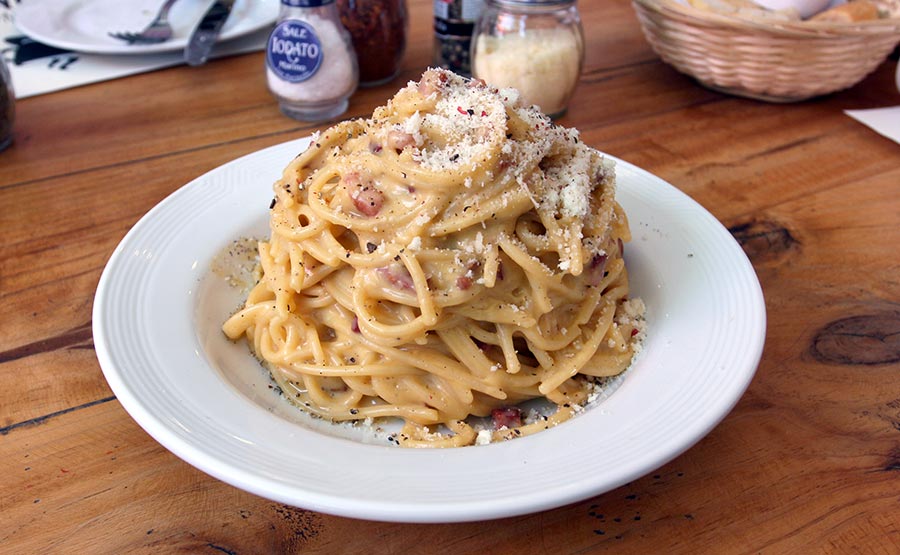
[157, 314]
[83, 25]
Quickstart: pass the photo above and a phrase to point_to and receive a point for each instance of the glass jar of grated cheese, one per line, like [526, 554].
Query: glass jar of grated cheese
[536, 46]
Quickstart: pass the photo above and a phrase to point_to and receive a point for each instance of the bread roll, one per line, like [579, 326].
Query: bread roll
[857, 10]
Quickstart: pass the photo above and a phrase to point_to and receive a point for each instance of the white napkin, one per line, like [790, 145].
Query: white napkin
[49, 71]
[885, 121]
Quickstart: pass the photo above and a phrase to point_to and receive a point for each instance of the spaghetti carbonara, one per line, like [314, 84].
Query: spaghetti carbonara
[449, 258]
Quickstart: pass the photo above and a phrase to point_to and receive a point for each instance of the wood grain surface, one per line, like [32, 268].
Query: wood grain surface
[807, 462]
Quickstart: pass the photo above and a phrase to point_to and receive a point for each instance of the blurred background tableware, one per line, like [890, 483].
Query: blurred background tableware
[805, 8]
[535, 46]
[84, 26]
[897, 76]
[157, 31]
[378, 29]
[310, 63]
[205, 34]
[454, 25]
[7, 106]
[765, 58]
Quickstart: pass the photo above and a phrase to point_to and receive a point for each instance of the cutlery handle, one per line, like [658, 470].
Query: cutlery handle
[204, 36]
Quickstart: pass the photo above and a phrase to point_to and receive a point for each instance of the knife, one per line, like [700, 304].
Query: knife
[204, 36]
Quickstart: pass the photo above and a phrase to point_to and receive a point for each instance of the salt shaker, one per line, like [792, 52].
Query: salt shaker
[310, 63]
[7, 106]
[378, 28]
[535, 46]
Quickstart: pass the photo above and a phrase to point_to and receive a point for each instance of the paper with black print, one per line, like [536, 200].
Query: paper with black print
[38, 68]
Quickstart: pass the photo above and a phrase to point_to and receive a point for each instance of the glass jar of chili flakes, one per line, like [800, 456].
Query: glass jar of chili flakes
[378, 29]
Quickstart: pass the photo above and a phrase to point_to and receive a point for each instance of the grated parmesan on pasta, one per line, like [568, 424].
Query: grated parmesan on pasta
[442, 262]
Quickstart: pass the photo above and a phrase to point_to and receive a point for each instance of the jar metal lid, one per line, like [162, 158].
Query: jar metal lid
[306, 3]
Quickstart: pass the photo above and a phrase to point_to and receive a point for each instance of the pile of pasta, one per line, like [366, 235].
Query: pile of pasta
[449, 258]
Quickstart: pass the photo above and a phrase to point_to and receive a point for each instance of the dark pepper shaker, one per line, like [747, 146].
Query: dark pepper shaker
[454, 24]
[378, 29]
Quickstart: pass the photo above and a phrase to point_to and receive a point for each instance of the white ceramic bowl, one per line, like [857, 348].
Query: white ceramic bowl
[157, 327]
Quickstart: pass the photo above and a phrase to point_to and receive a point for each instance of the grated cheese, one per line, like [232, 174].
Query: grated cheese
[484, 437]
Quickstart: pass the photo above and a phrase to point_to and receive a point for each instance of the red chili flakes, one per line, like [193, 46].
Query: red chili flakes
[461, 111]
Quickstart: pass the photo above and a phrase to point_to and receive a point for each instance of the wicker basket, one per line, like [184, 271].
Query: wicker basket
[766, 60]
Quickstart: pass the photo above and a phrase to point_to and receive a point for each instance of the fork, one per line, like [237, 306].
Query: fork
[158, 31]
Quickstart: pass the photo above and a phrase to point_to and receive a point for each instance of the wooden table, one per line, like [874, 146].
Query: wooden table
[808, 461]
